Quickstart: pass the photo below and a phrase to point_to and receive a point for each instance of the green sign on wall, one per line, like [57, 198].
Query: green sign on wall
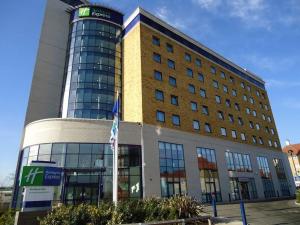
[32, 176]
[84, 12]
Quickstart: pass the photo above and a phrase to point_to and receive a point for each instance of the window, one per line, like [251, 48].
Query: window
[213, 70]
[202, 93]
[208, 174]
[284, 185]
[189, 72]
[205, 110]
[172, 81]
[220, 115]
[267, 130]
[156, 57]
[218, 99]
[200, 77]
[275, 144]
[248, 88]
[229, 160]
[169, 48]
[245, 97]
[227, 103]
[171, 64]
[160, 116]
[257, 93]
[269, 119]
[266, 107]
[257, 126]
[254, 113]
[187, 57]
[225, 88]
[231, 79]
[270, 143]
[172, 169]
[207, 128]
[157, 75]
[247, 110]
[272, 131]
[251, 100]
[176, 120]
[215, 84]
[241, 122]
[242, 85]
[196, 125]
[233, 134]
[174, 100]
[260, 105]
[194, 106]
[265, 174]
[263, 116]
[231, 119]
[237, 106]
[155, 41]
[191, 88]
[243, 136]
[260, 140]
[198, 63]
[263, 95]
[159, 95]
[223, 131]
[254, 139]
[234, 93]
[251, 124]
[222, 74]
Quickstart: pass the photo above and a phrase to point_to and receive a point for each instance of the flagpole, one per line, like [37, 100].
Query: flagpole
[115, 162]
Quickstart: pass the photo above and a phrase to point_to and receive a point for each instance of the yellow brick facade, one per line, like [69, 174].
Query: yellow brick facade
[142, 73]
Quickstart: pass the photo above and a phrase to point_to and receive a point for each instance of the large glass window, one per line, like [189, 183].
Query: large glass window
[81, 163]
[284, 185]
[237, 161]
[94, 68]
[172, 169]
[266, 177]
[209, 179]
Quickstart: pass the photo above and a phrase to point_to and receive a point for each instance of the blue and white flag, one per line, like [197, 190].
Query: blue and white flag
[115, 126]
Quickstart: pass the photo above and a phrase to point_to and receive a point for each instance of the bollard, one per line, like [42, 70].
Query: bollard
[214, 206]
[243, 213]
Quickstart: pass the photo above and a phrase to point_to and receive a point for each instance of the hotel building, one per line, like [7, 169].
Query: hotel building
[192, 122]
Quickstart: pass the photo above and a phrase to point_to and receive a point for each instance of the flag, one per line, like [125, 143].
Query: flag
[115, 126]
[114, 147]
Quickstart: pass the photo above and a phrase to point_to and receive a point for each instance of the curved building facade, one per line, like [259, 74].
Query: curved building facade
[94, 65]
[192, 122]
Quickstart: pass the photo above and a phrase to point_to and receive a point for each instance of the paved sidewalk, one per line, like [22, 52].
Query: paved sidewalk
[284, 212]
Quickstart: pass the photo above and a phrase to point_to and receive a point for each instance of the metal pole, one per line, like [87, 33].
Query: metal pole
[243, 213]
[214, 206]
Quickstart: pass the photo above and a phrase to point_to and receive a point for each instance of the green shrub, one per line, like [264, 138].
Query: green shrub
[128, 211]
[7, 218]
[298, 196]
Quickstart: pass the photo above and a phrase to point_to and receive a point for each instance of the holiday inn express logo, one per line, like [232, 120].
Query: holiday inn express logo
[32, 176]
[84, 12]
[40, 176]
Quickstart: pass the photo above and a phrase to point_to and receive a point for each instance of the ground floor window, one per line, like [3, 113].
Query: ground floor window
[269, 190]
[210, 186]
[81, 163]
[172, 169]
[242, 187]
[284, 186]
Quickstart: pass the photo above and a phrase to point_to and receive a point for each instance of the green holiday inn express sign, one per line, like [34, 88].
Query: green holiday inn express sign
[40, 176]
[84, 11]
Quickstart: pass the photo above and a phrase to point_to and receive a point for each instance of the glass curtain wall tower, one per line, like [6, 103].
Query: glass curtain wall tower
[94, 64]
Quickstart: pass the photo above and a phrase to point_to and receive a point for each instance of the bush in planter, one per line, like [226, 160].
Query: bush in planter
[128, 211]
[7, 218]
[298, 196]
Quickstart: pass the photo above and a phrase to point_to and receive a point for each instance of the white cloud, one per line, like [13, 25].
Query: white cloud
[165, 14]
[208, 4]
[273, 83]
[251, 12]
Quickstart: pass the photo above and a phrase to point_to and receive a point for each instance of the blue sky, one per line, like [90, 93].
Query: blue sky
[260, 35]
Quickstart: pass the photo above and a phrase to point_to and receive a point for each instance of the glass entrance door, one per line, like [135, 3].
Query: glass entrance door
[245, 190]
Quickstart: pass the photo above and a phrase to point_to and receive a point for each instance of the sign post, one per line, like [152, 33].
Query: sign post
[39, 180]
